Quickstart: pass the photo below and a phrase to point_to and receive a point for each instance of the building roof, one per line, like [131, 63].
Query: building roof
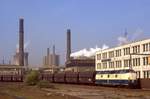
[81, 62]
[132, 42]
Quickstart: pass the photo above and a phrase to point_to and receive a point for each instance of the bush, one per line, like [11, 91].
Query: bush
[44, 84]
[32, 78]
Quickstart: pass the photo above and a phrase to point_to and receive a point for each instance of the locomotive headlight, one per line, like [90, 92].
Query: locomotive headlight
[89, 79]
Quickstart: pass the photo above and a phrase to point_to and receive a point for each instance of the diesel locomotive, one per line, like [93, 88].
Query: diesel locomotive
[126, 77]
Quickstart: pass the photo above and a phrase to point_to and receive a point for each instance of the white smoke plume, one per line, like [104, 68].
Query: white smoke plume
[134, 36]
[137, 34]
[105, 46]
[122, 40]
[88, 53]
[25, 46]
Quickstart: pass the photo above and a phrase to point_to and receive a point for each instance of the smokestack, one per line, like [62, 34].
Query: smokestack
[54, 57]
[68, 44]
[48, 53]
[3, 61]
[26, 54]
[21, 42]
[53, 49]
[9, 62]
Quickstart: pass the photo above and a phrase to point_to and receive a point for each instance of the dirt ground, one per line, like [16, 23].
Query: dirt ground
[68, 91]
[99, 92]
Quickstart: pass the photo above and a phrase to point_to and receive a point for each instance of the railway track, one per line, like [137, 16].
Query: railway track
[100, 92]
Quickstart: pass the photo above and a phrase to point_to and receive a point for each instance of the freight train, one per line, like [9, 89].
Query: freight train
[69, 77]
[124, 77]
[11, 78]
[114, 78]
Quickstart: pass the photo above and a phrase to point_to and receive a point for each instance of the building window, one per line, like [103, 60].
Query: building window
[138, 74]
[111, 54]
[127, 63]
[126, 51]
[146, 47]
[146, 74]
[133, 62]
[136, 62]
[99, 66]
[145, 60]
[111, 64]
[104, 65]
[104, 55]
[118, 64]
[143, 47]
[98, 56]
[149, 46]
[118, 53]
[136, 49]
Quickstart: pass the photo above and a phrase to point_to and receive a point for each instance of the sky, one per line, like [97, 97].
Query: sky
[92, 22]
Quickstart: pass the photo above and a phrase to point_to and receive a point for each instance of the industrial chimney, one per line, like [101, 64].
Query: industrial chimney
[53, 49]
[68, 44]
[53, 57]
[26, 54]
[21, 42]
[48, 54]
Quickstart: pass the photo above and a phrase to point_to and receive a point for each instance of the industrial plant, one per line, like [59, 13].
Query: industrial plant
[127, 64]
[20, 59]
[75, 49]
[51, 60]
[16, 58]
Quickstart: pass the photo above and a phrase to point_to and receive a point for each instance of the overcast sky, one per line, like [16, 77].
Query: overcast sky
[92, 22]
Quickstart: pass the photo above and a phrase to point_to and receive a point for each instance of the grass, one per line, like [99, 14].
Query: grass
[45, 84]
[22, 91]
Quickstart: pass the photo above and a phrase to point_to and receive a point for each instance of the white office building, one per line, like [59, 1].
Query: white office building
[134, 55]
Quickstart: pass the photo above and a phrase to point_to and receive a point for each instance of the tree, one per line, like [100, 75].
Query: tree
[32, 78]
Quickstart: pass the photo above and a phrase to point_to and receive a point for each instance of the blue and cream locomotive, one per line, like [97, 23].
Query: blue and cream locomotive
[125, 77]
